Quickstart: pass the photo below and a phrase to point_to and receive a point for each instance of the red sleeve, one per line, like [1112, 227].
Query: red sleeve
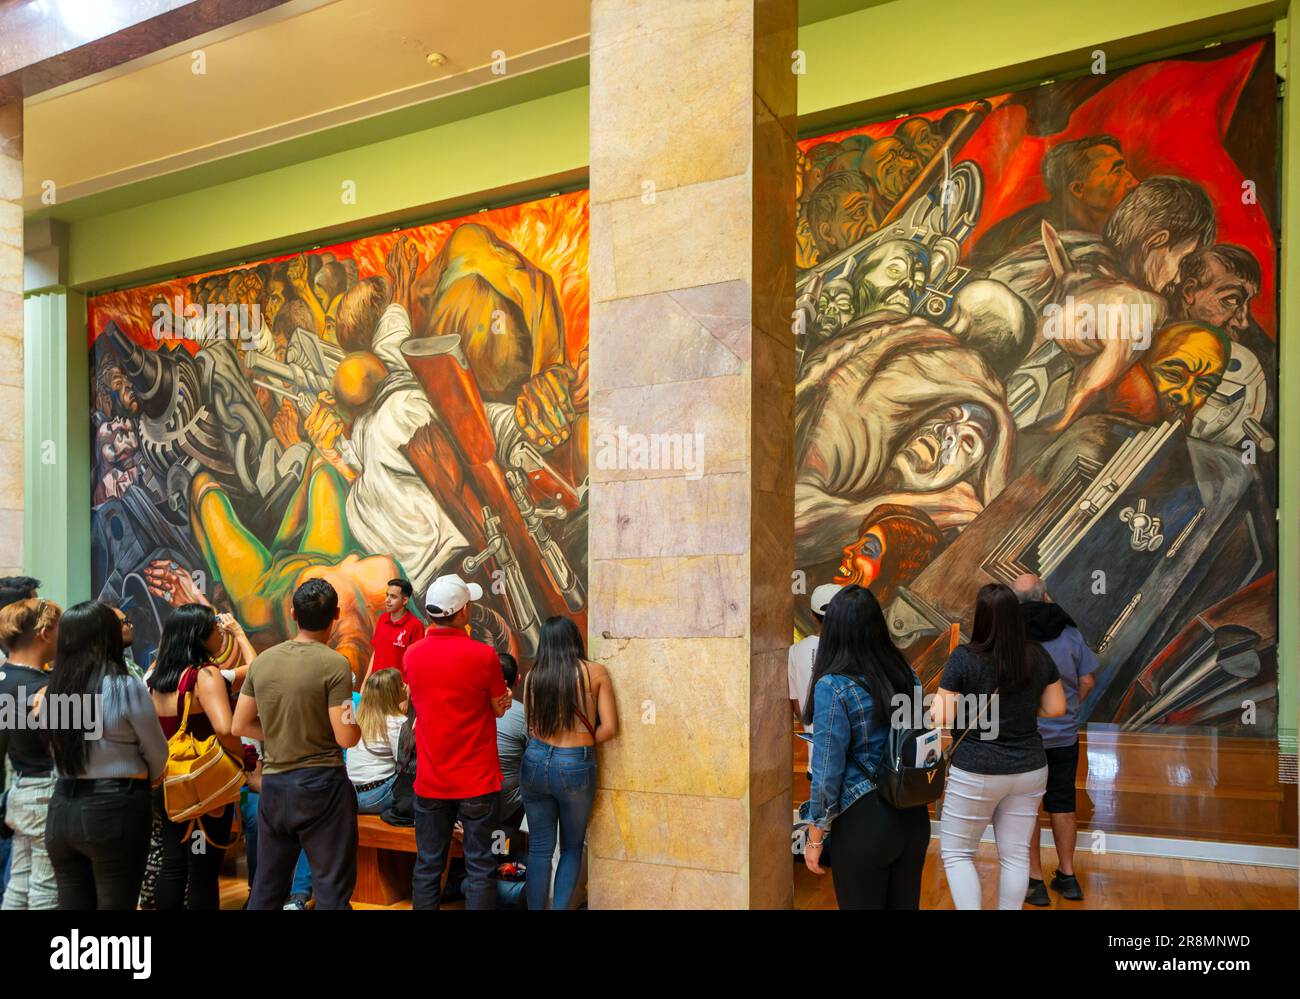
[496, 678]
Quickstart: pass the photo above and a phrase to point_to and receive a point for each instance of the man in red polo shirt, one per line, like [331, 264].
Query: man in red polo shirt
[458, 692]
[395, 631]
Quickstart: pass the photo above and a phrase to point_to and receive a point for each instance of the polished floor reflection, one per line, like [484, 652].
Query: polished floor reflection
[1113, 881]
[1185, 786]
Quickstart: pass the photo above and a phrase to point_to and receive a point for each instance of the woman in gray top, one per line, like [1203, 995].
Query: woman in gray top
[107, 747]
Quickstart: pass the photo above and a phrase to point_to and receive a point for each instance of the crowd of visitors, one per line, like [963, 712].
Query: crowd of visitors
[94, 817]
[127, 782]
[1016, 685]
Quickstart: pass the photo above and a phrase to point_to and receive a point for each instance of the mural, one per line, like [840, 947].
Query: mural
[1039, 334]
[409, 404]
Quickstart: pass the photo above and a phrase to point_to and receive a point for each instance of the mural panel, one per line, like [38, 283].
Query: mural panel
[409, 404]
[1039, 334]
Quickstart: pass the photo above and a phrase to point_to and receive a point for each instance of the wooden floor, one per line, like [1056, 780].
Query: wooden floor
[1113, 881]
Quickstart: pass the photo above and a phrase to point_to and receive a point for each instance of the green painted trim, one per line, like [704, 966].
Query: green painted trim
[56, 458]
[1288, 639]
[946, 53]
[811, 11]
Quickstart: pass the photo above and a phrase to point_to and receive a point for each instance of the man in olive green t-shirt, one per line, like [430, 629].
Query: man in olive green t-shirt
[297, 700]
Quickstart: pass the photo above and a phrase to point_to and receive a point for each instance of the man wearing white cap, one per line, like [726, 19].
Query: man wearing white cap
[803, 652]
[457, 691]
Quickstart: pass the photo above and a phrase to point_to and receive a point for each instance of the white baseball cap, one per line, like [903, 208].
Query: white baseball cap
[448, 594]
[823, 595]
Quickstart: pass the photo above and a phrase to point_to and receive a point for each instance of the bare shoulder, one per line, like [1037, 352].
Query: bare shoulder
[596, 671]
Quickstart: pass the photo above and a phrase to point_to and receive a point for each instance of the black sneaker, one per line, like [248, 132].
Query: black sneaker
[1068, 886]
[1037, 894]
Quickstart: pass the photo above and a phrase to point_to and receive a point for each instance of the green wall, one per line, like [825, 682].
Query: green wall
[884, 59]
[445, 169]
[56, 419]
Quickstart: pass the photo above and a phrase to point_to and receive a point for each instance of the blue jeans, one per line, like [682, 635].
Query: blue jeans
[377, 800]
[558, 785]
[301, 889]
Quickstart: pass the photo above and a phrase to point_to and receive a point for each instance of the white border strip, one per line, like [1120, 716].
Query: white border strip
[1177, 849]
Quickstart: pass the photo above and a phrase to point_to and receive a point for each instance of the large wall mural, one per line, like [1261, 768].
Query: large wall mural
[409, 404]
[1039, 333]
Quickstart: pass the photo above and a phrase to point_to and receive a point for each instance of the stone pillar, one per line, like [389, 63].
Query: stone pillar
[11, 338]
[692, 288]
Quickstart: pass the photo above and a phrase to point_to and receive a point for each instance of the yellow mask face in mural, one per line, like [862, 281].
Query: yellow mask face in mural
[1185, 365]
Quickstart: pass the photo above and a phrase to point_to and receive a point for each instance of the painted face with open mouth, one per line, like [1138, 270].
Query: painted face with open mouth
[891, 277]
[861, 562]
[947, 448]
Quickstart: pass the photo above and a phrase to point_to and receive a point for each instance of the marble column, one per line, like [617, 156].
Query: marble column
[692, 367]
[11, 338]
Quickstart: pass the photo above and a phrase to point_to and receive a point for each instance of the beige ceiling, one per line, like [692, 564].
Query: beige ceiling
[302, 67]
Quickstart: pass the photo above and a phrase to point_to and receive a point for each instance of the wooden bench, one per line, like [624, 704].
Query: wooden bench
[386, 861]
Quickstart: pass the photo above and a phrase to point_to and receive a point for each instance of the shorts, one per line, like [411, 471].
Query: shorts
[1062, 773]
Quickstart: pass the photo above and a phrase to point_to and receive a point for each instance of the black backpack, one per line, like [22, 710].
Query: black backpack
[402, 810]
[902, 783]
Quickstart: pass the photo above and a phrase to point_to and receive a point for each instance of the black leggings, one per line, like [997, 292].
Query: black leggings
[97, 836]
[878, 853]
[192, 860]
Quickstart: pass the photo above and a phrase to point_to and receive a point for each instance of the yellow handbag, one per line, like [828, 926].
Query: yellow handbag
[201, 775]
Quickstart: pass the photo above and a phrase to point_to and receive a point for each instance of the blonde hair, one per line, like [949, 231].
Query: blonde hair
[381, 698]
[22, 619]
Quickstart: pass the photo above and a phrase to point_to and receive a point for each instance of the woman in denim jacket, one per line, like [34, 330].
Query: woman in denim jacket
[857, 676]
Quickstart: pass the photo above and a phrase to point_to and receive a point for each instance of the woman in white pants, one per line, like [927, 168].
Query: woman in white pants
[999, 684]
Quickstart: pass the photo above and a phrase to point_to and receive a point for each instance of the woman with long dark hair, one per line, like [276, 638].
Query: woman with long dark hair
[569, 708]
[999, 683]
[191, 638]
[107, 747]
[859, 683]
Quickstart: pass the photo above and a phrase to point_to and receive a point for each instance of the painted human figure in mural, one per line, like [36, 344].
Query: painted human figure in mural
[1129, 268]
[117, 458]
[1174, 377]
[507, 312]
[895, 411]
[282, 455]
[843, 209]
[1086, 179]
[947, 397]
[894, 543]
[313, 542]
[379, 405]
